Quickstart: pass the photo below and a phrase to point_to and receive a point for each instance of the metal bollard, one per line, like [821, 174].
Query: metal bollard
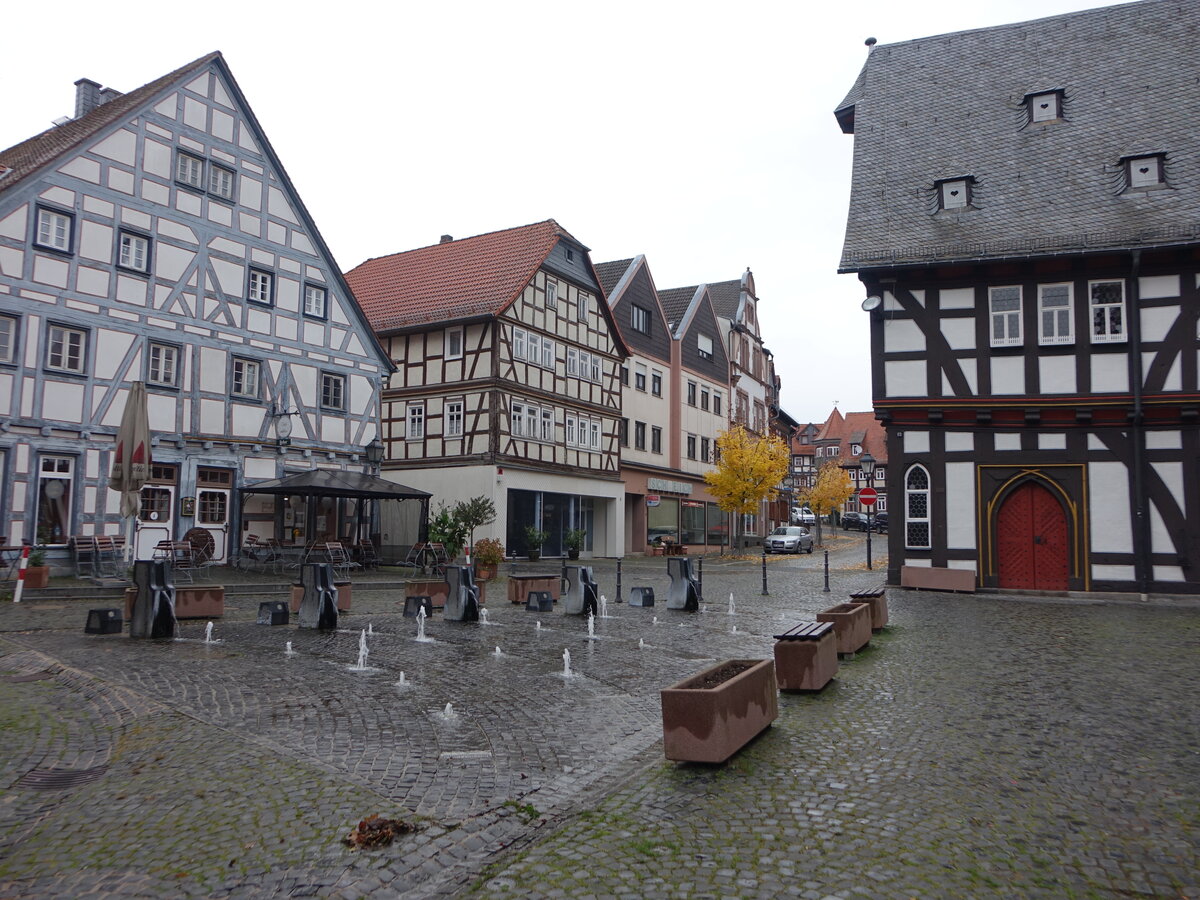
[826, 571]
[619, 600]
[764, 568]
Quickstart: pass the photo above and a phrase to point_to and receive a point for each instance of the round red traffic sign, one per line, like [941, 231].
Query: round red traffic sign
[867, 496]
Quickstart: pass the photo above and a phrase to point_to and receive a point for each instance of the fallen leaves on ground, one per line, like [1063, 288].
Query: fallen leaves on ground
[376, 831]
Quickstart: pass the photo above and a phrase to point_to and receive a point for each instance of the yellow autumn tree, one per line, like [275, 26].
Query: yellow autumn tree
[749, 469]
[832, 488]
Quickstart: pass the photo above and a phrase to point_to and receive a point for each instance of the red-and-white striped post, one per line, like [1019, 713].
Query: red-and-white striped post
[21, 574]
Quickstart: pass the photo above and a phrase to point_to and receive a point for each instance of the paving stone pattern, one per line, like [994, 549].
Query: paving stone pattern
[981, 747]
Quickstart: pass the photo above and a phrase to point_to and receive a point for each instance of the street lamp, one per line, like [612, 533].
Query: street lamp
[374, 454]
[867, 461]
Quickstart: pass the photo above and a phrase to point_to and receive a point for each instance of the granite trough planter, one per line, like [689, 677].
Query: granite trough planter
[851, 623]
[191, 602]
[709, 716]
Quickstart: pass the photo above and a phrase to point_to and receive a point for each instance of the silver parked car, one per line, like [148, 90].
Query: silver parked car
[788, 539]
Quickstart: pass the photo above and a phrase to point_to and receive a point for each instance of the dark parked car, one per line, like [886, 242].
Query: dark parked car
[788, 539]
[879, 522]
[854, 521]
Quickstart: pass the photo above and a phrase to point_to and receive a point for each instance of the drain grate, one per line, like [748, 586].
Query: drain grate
[59, 779]
[36, 676]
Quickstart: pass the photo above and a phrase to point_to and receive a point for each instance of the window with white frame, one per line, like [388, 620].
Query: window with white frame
[454, 343]
[261, 286]
[585, 363]
[220, 181]
[8, 339]
[916, 509]
[454, 419]
[594, 367]
[639, 318]
[333, 391]
[656, 383]
[516, 423]
[593, 435]
[162, 365]
[572, 361]
[704, 346]
[1056, 320]
[572, 430]
[1108, 311]
[547, 353]
[520, 343]
[415, 427]
[531, 420]
[56, 475]
[189, 170]
[1004, 306]
[551, 294]
[316, 301]
[246, 373]
[134, 252]
[581, 307]
[547, 424]
[66, 348]
[54, 229]
[855, 449]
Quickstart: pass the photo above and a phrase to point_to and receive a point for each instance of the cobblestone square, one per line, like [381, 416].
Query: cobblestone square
[981, 746]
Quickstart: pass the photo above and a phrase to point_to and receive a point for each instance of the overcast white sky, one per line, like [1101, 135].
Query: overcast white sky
[699, 133]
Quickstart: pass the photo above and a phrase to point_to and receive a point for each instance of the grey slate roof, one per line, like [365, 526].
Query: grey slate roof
[675, 302]
[725, 298]
[953, 105]
[609, 273]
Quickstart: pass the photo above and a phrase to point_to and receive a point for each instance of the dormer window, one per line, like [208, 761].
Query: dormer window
[954, 193]
[1044, 107]
[1144, 171]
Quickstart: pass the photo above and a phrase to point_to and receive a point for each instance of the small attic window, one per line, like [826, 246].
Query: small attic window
[570, 255]
[1144, 171]
[1045, 106]
[954, 193]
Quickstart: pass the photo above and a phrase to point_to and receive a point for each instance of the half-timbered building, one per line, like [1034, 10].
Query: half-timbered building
[154, 236]
[674, 389]
[845, 439]
[1023, 218]
[507, 381]
[753, 391]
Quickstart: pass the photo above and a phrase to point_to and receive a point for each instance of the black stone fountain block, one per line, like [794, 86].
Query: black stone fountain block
[104, 621]
[641, 596]
[273, 612]
[539, 601]
[413, 605]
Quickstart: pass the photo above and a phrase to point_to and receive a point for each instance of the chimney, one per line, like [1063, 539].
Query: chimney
[446, 238]
[870, 42]
[87, 97]
[108, 94]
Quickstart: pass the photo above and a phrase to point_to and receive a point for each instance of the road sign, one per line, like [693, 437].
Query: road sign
[867, 496]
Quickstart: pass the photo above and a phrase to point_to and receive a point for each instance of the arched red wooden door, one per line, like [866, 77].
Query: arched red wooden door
[1031, 540]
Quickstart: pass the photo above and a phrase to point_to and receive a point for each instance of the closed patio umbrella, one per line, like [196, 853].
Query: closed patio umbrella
[131, 462]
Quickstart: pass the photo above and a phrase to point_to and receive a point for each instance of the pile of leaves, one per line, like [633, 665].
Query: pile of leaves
[376, 831]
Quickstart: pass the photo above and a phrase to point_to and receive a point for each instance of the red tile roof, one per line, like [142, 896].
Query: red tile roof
[30, 155]
[855, 428]
[469, 278]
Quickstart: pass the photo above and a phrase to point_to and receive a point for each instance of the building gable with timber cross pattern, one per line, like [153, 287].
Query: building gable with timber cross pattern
[1025, 210]
[155, 237]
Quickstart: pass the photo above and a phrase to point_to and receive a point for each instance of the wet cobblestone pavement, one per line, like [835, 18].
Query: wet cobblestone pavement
[982, 746]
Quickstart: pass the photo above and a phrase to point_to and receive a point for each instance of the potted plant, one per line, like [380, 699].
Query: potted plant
[534, 538]
[446, 529]
[573, 540]
[488, 554]
[37, 573]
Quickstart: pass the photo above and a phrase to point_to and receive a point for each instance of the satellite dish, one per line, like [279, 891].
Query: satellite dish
[872, 303]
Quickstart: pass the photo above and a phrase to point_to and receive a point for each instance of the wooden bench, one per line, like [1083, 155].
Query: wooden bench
[806, 657]
[876, 598]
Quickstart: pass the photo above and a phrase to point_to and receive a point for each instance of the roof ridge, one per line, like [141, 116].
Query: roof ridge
[551, 222]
